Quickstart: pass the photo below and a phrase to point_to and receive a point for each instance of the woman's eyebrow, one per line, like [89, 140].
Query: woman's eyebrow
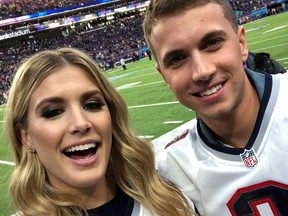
[92, 93]
[48, 100]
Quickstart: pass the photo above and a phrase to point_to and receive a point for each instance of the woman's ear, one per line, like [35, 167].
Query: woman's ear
[26, 141]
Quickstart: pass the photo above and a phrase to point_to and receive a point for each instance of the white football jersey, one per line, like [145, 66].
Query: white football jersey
[224, 181]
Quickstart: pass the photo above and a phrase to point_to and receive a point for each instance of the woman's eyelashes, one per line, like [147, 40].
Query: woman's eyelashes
[93, 105]
[54, 111]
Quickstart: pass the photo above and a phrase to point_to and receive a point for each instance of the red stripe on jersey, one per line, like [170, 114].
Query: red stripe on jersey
[182, 136]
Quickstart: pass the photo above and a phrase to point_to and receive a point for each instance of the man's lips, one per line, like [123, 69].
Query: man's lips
[209, 91]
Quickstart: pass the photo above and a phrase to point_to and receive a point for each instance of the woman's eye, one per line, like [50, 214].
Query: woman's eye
[93, 105]
[51, 113]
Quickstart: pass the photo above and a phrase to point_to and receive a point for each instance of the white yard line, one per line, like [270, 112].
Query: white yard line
[136, 85]
[7, 163]
[150, 105]
[172, 122]
[146, 136]
[270, 47]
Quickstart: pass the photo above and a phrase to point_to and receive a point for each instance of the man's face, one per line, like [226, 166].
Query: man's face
[200, 56]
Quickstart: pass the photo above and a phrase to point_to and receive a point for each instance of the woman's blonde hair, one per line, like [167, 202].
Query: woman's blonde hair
[131, 165]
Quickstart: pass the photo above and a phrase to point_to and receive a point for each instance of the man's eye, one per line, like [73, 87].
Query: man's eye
[176, 60]
[213, 43]
[51, 113]
[93, 106]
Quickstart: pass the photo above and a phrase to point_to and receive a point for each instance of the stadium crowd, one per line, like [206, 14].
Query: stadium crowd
[107, 44]
[247, 6]
[16, 8]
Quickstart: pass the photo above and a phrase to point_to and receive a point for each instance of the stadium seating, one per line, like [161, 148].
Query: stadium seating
[106, 42]
[15, 8]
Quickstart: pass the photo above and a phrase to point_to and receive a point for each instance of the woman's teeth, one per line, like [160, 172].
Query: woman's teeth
[81, 147]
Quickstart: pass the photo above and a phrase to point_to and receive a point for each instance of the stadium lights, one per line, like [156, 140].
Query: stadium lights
[110, 17]
[54, 25]
[142, 9]
[88, 17]
[121, 9]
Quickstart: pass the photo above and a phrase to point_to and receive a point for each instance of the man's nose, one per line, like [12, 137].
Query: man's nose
[202, 68]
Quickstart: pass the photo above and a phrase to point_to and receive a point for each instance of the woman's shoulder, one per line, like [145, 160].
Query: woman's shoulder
[140, 210]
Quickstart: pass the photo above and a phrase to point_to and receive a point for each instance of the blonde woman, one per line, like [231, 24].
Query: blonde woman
[74, 152]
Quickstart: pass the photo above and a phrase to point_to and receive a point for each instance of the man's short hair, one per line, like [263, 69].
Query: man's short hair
[161, 8]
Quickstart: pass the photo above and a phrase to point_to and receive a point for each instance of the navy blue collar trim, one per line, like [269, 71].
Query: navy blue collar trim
[207, 135]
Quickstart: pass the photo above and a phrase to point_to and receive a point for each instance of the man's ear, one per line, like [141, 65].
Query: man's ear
[243, 43]
[158, 68]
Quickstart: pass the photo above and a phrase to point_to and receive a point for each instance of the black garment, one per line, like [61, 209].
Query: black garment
[263, 62]
[121, 205]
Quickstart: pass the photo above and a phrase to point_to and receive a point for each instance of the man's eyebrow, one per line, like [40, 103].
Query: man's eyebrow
[212, 34]
[205, 38]
[169, 54]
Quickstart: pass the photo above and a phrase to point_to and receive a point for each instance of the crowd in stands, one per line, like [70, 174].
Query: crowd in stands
[16, 8]
[107, 44]
[246, 6]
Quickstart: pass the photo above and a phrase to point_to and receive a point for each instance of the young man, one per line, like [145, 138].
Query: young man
[232, 161]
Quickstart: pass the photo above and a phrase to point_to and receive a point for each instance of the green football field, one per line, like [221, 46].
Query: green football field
[153, 110]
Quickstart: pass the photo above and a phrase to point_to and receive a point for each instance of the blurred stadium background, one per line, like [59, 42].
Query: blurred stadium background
[109, 30]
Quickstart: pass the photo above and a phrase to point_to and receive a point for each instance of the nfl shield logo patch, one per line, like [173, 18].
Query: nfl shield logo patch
[249, 158]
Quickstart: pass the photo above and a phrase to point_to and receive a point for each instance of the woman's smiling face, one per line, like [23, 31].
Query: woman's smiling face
[69, 125]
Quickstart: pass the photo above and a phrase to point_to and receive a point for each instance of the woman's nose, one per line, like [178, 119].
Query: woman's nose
[79, 123]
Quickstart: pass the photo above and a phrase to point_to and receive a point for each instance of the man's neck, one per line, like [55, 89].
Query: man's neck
[236, 128]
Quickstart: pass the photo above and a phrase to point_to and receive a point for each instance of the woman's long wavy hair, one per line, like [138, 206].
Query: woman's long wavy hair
[131, 165]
